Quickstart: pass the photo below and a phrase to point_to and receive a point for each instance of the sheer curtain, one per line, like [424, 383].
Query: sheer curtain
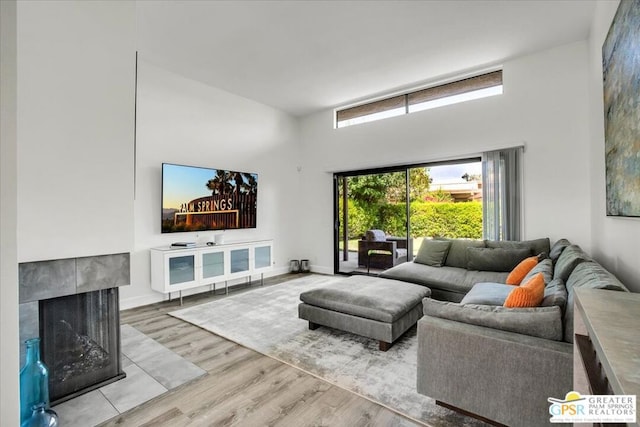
[502, 183]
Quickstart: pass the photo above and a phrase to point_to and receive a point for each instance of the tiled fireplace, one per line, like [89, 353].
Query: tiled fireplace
[72, 305]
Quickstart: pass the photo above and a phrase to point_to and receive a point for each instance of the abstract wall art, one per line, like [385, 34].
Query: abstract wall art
[621, 81]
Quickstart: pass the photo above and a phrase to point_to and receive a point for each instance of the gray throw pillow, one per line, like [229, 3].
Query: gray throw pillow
[506, 244]
[569, 259]
[488, 294]
[555, 293]
[457, 256]
[537, 246]
[557, 249]
[543, 322]
[487, 259]
[545, 267]
[433, 252]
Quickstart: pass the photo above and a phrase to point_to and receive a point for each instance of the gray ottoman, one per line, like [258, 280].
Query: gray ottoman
[382, 309]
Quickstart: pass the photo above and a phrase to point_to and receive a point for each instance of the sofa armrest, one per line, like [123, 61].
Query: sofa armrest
[503, 376]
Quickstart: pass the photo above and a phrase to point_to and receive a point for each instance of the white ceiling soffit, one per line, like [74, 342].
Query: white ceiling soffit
[305, 56]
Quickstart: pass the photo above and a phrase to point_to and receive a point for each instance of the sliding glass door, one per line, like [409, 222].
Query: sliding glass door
[371, 227]
[446, 201]
[382, 216]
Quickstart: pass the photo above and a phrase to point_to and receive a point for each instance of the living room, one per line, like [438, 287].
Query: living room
[83, 140]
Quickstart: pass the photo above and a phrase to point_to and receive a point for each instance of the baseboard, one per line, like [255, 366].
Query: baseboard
[133, 302]
[322, 270]
[277, 271]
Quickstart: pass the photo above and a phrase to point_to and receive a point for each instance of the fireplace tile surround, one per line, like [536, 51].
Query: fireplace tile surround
[44, 280]
[56, 278]
[151, 368]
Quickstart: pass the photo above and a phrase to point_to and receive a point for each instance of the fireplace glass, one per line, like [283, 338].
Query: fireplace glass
[80, 336]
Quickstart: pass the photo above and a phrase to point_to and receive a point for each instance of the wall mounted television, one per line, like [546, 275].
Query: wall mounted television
[199, 199]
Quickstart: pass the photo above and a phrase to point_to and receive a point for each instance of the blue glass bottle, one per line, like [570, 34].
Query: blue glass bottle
[34, 381]
[41, 417]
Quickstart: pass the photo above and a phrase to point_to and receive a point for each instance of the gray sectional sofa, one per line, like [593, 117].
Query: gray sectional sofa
[499, 363]
[465, 263]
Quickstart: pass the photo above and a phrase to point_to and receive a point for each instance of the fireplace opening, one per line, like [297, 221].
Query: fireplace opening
[80, 337]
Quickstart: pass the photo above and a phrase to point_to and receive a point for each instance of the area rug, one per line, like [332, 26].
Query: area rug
[266, 320]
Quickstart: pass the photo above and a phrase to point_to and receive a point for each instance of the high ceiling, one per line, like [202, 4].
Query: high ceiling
[305, 56]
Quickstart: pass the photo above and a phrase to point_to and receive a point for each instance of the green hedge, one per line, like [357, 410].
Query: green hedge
[428, 219]
[392, 218]
[462, 220]
[360, 219]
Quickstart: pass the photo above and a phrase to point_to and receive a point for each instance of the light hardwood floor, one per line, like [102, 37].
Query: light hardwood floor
[241, 387]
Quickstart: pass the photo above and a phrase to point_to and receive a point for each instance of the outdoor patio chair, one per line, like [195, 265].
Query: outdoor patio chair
[379, 251]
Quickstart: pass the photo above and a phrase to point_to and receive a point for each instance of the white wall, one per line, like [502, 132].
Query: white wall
[615, 239]
[9, 401]
[67, 176]
[76, 79]
[186, 122]
[544, 106]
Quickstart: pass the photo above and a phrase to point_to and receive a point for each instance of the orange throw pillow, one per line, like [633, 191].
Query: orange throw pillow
[521, 270]
[530, 294]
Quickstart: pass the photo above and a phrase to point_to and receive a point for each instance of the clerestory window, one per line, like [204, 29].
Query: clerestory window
[482, 86]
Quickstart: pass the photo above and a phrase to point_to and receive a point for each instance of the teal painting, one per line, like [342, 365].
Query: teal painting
[621, 81]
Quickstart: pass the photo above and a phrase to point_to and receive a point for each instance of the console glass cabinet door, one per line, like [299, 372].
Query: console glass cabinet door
[239, 261]
[263, 257]
[181, 269]
[213, 264]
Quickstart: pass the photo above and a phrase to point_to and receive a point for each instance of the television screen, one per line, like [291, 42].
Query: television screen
[197, 199]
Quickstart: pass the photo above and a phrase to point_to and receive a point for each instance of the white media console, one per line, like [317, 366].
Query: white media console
[176, 269]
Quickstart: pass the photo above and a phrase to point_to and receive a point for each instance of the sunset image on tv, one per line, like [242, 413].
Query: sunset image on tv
[197, 199]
